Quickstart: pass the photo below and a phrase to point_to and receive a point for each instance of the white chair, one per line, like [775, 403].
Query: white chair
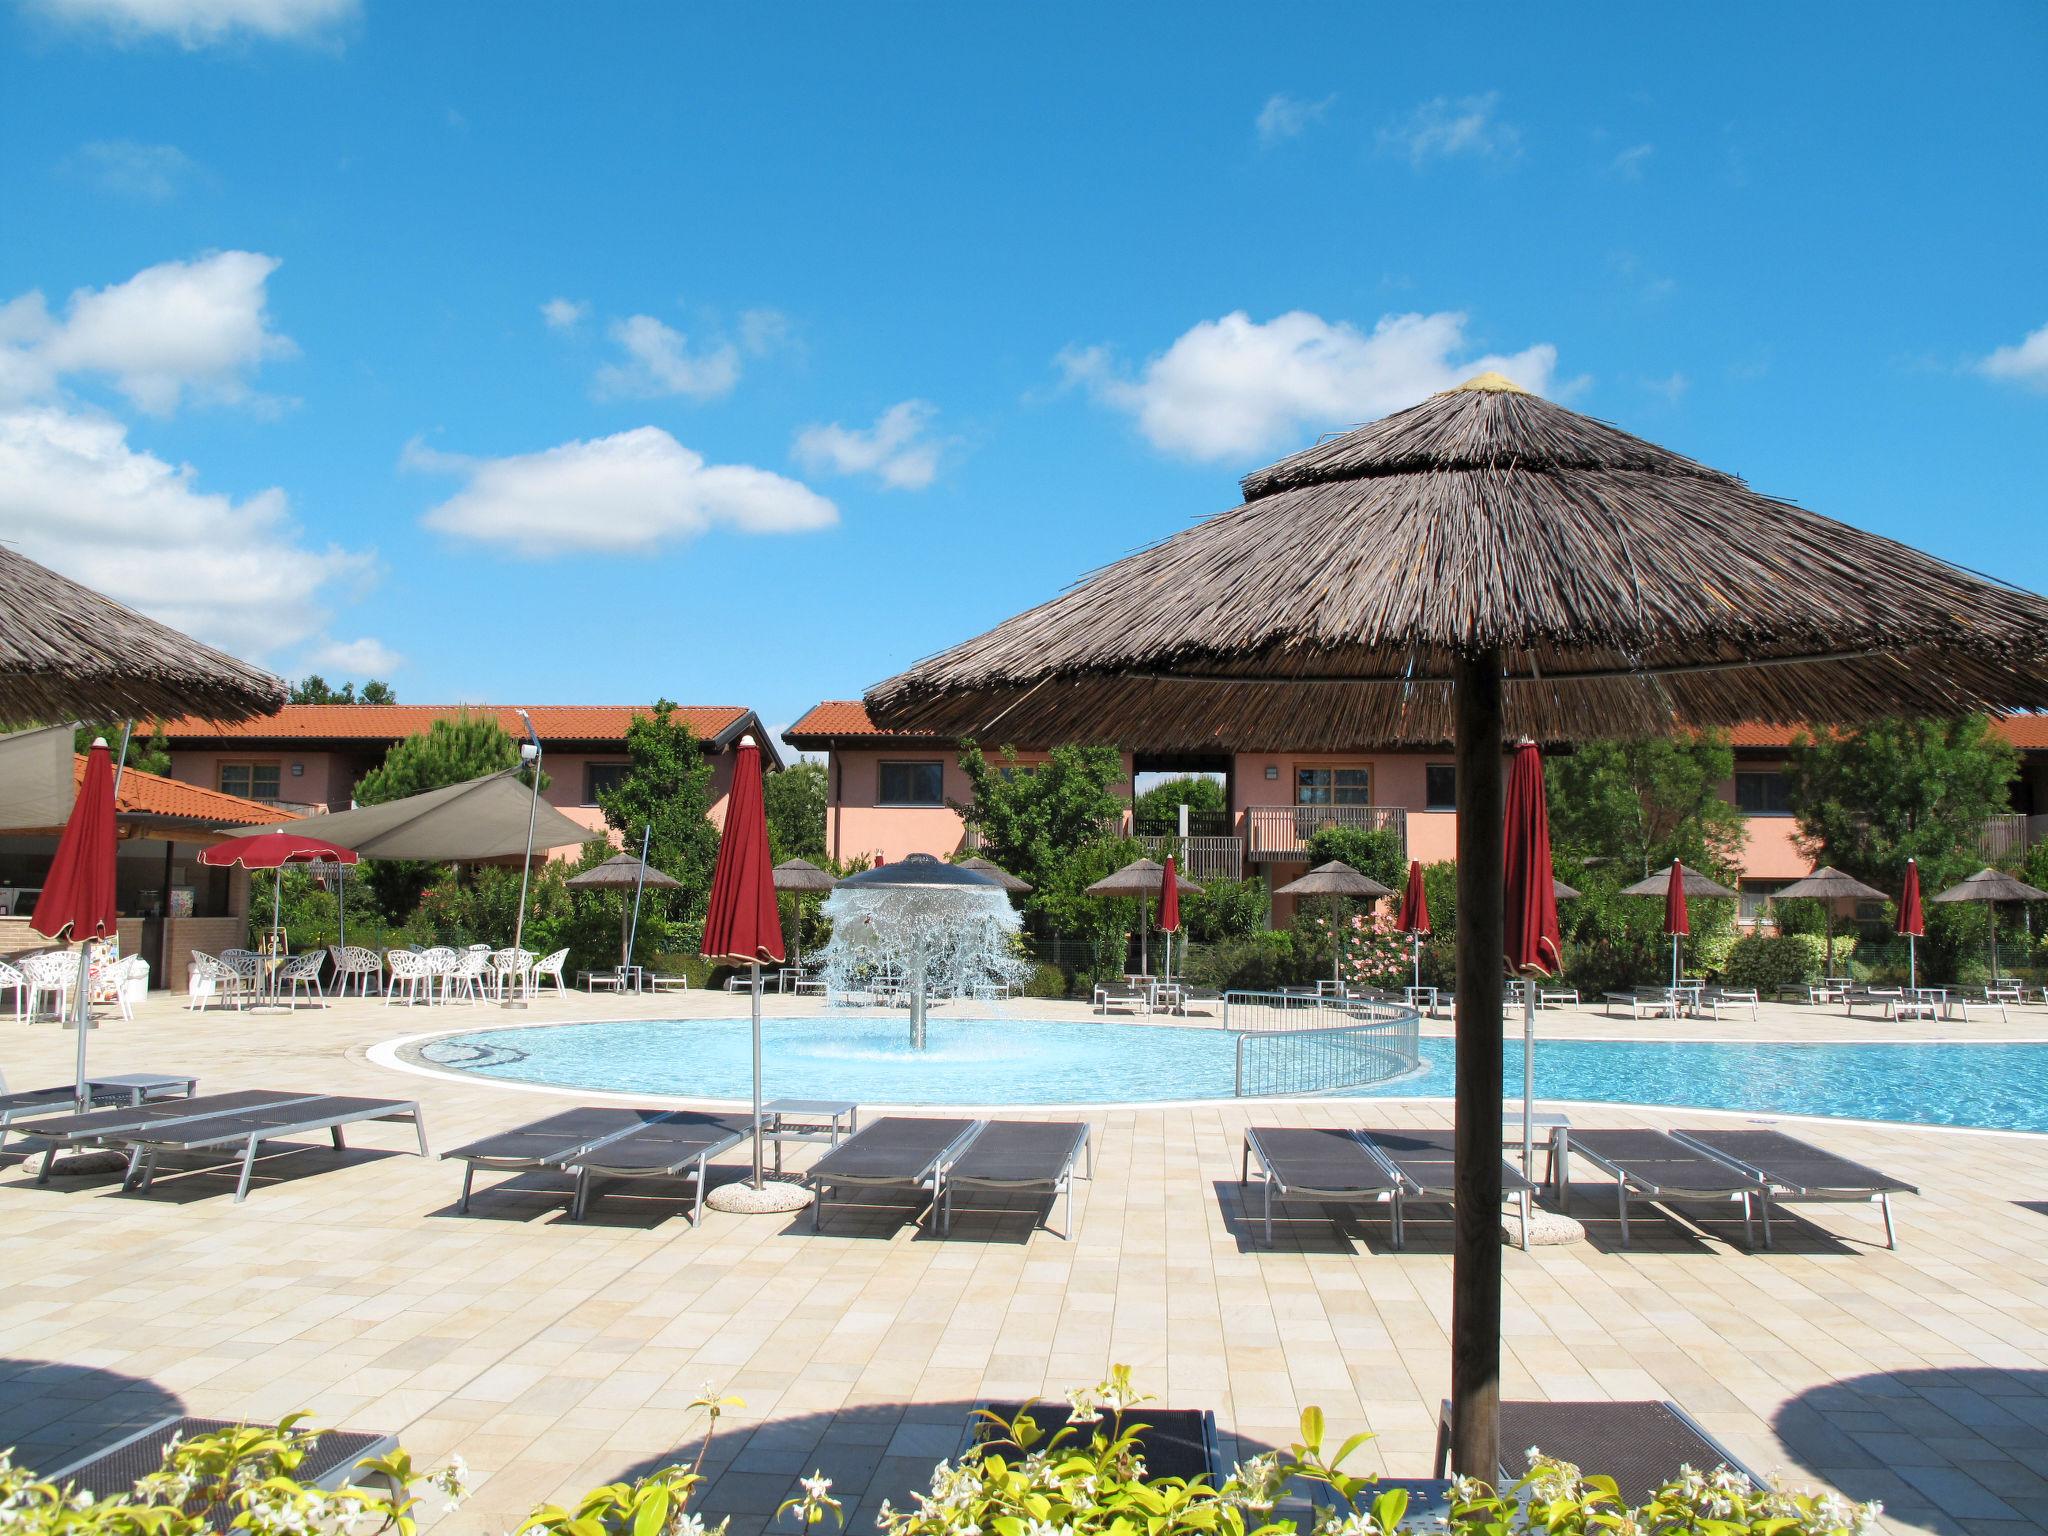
[410, 973]
[301, 974]
[549, 969]
[11, 980]
[247, 967]
[205, 979]
[440, 961]
[53, 973]
[123, 982]
[354, 963]
[512, 968]
[467, 976]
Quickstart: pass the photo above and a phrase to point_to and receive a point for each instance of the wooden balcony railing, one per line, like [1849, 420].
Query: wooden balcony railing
[1283, 831]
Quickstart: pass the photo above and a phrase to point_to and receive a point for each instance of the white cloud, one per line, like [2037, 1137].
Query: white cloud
[1445, 126]
[895, 450]
[2026, 363]
[1288, 117]
[239, 574]
[1631, 162]
[564, 314]
[150, 173]
[195, 23]
[363, 658]
[1671, 388]
[763, 331]
[201, 325]
[630, 491]
[659, 362]
[1232, 387]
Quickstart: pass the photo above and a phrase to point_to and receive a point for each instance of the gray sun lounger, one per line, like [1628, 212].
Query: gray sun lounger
[670, 1146]
[894, 1152]
[1641, 1445]
[101, 1093]
[1427, 1163]
[547, 1143]
[1316, 1163]
[1794, 1171]
[250, 1130]
[1655, 1167]
[1034, 1157]
[112, 1127]
[113, 1470]
[1175, 1442]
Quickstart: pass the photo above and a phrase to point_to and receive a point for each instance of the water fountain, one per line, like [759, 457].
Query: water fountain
[923, 929]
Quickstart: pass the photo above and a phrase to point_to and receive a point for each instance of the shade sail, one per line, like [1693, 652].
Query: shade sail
[1140, 877]
[1335, 878]
[480, 819]
[36, 787]
[623, 872]
[802, 875]
[1659, 884]
[997, 873]
[1628, 589]
[68, 652]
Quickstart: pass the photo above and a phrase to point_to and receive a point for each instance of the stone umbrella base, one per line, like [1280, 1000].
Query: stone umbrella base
[742, 1199]
[1546, 1229]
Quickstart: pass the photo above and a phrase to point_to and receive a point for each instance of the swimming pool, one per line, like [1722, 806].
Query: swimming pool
[1016, 1061]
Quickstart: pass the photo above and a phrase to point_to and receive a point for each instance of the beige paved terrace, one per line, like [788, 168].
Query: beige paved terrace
[555, 1356]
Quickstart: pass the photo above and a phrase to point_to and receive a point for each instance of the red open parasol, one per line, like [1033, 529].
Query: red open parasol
[1533, 945]
[1912, 921]
[78, 895]
[742, 924]
[274, 850]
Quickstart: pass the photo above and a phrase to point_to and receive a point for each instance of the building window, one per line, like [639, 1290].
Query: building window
[912, 784]
[251, 781]
[1440, 787]
[603, 779]
[1753, 902]
[1763, 792]
[1333, 786]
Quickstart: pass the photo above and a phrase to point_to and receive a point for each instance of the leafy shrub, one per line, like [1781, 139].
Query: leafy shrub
[1373, 851]
[1769, 961]
[1045, 981]
[1224, 909]
[1254, 962]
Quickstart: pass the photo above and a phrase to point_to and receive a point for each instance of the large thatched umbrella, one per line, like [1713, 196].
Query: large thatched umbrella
[1483, 566]
[801, 878]
[1691, 883]
[66, 652]
[1992, 886]
[1335, 878]
[1829, 885]
[1001, 876]
[1139, 878]
[624, 872]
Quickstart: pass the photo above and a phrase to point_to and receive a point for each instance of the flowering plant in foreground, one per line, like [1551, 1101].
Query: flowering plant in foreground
[1088, 1477]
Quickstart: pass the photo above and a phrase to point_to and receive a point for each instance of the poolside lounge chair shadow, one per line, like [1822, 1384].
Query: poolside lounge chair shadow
[1977, 1438]
[186, 1178]
[991, 1216]
[1699, 1229]
[1302, 1226]
[2038, 1207]
[54, 1413]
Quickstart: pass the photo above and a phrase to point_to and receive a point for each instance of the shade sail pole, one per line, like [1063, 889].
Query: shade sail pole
[1476, 1258]
[639, 884]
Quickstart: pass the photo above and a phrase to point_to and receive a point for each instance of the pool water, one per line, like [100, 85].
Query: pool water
[1020, 1061]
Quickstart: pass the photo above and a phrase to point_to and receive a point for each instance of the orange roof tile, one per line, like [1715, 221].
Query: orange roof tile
[2027, 732]
[150, 794]
[392, 722]
[839, 718]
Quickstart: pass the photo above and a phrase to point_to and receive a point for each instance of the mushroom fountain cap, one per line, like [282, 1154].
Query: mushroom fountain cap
[918, 872]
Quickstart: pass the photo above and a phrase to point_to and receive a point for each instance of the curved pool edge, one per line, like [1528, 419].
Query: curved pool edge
[386, 1054]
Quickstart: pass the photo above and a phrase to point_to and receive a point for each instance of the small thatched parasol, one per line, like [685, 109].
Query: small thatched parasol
[623, 872]
[67, 652]
[1140, 878]
[1482, 566]
[1564, 892]
[800, 878]
[1659, 884]
[1992, 886]
[1335, 878]
[1829, 885]
[1001, 876]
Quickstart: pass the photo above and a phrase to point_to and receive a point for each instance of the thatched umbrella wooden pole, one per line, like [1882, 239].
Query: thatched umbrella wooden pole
[1475, 1252]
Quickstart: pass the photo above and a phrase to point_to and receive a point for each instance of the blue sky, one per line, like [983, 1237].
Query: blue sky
[548, 353]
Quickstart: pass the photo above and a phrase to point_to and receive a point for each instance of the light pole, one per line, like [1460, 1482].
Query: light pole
[529, 754]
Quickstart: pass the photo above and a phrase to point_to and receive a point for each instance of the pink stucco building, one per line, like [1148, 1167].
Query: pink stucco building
[309, 757]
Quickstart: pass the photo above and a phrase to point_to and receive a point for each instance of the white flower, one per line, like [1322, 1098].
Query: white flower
[815, 1486]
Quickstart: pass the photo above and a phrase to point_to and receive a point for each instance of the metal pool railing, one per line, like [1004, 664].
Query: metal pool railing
[1291, 1043]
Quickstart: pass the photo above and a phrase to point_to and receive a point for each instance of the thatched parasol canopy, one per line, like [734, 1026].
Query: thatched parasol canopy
[997, 873]
[1564, 892]
[1659, 884]
[1335, 878]
[1991, 885]
[623, 872]
[1627, 589]
[1140, 877]
[1829, 884]
[66, 652]
[802, 876]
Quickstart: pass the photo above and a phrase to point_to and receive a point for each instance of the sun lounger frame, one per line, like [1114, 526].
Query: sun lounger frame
[1703, 1455]
[112, 1130]
[924, 1177]
[561, 1145]
[588, 1165]
[1650, 1189]
[1514, 1186]
[197, 1136]
[1787, 1191]
[330, 1464]
[1051, 1415]
[1278, 1188]
[1054, 1187]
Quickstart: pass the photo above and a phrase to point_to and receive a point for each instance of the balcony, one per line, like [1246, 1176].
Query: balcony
[1281, 833]
[1200, 858]
[2009, 836]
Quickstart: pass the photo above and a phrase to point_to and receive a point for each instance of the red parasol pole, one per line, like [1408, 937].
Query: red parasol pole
[78, 896]
[742, 924]
[1533, 943]
[1912, 922]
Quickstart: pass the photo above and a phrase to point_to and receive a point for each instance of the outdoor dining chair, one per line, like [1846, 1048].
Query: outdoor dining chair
[354, 963]
[511, 968]
[11, 980]
[549, 968]
[467, 976]
[207, 979]
[53, 973]
[300, 975]
[122, 982]
[411, 976]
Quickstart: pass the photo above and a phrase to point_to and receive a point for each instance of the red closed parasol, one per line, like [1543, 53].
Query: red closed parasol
[1677, 924]
[78, 896]
[1169, 911]
[1533, 945]
[1414, 918]
[1912, 921]
[742, 924]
